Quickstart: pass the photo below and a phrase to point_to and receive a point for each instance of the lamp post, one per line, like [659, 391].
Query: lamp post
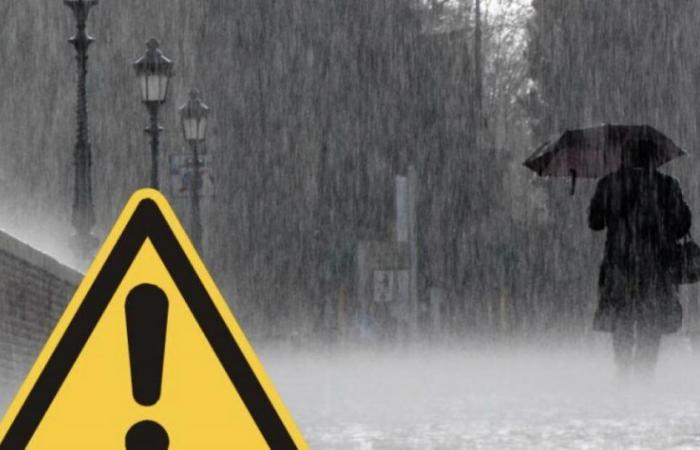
[83, 243]
[154, 71]
[193, 116]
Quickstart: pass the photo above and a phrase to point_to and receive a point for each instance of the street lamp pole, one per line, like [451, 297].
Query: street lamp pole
[193, 115]
[196, 218]
[154, 130]
[84, 243]
[154, 71]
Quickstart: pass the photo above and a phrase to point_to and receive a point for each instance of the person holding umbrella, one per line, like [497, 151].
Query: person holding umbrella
[645, 215]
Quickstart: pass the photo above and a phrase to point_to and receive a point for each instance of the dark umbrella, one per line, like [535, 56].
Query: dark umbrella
[598, 151]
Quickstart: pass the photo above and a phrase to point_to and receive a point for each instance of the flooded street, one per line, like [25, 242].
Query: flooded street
[464, 399]
[457, 398]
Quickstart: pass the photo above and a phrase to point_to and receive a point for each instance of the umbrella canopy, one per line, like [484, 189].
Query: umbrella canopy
[598, 151]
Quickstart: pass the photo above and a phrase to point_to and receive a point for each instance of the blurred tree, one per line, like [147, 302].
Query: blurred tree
[606, 61]
[316, 106]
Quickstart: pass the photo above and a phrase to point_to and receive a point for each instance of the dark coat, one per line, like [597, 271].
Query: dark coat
[645, 215]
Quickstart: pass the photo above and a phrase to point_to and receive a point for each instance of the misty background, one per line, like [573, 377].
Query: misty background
[318, 105]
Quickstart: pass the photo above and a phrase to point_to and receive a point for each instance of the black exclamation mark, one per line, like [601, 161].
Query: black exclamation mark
[146, 323]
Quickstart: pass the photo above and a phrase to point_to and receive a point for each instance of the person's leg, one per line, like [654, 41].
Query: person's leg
[623, 344]
[646, 354]
[692, 316]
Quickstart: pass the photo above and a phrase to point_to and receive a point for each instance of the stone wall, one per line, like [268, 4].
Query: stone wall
[34, 290]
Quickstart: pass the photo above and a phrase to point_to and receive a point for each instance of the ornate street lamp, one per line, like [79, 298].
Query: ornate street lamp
[154, 71]
[84, 243]
[193, 116]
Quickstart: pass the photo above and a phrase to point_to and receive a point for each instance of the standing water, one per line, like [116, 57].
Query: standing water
[479, 399]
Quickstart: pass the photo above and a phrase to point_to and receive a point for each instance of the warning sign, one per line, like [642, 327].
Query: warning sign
[147, 356]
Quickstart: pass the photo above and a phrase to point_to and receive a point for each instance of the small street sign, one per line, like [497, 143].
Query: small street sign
[389, 285]
[181, 171]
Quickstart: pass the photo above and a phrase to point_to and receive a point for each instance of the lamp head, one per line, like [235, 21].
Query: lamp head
[154, 71]
[193, 116]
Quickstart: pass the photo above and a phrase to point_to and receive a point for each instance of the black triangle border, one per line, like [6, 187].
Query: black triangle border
[147, 221]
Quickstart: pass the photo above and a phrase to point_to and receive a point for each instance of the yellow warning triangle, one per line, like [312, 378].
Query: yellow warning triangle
[147, 356]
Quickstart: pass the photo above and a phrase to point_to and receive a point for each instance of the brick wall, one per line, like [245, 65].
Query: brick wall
[34, 289]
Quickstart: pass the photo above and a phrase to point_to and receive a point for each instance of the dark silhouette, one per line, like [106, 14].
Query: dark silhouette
[645, 214]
